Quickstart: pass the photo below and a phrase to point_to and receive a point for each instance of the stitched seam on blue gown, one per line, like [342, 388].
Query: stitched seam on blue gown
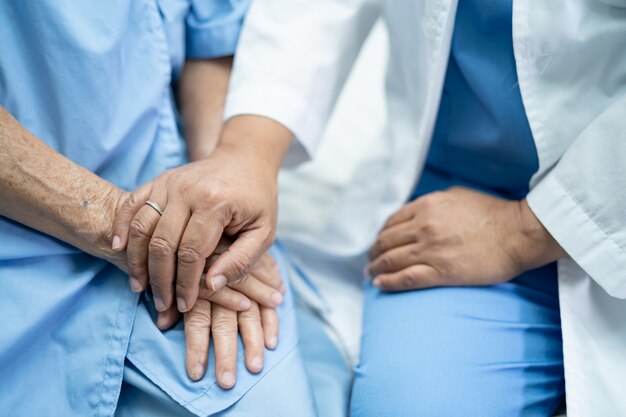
[108, 360]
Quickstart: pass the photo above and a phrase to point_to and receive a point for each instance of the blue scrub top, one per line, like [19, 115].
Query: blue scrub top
[482, 139]
[93, 80]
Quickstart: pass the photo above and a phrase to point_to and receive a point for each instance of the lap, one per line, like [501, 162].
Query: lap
[489, 351]
[281, 392]
[156, 383]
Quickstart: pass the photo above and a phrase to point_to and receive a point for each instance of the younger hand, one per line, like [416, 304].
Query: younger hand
[459, 237]
[229, 193]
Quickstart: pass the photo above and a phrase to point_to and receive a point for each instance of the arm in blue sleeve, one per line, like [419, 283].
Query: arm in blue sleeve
[213, 26]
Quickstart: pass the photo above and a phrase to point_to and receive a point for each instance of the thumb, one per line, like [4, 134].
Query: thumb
[125, 212]
[234, 264]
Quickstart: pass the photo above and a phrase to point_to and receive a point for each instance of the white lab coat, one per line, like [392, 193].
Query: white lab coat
[294, 56]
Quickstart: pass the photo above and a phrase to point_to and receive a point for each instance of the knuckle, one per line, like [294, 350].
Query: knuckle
[139, 228]
[430, 227]
[414, 251]
[197, 320]
[189, 254]
[249, 316]
[407, 281]
[182, 181]
[430, 201]
[135, 263]
[386, 262]
[224, 325]
[426, 201]
[239, 265]
[130, 201]
[160, 247]
[200, 316]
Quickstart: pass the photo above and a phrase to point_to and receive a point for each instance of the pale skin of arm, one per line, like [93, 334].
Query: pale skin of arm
[201, 94]
[44, 190]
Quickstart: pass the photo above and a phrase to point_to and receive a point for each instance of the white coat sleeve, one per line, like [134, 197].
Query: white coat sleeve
[582, 200]
[292, 61]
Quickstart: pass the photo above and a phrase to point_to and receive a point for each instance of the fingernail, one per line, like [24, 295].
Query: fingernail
[273, 341]
[160, 321]
[228, 379]
[182, 305]
[115, 244]
[276, 298]
[197, 371]
[256, 363]
[376, 283]
[135, 285]
[282, 289]
[158, 303]
[245, 304]
[218, 282]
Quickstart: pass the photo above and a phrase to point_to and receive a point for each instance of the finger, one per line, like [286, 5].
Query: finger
[125, 213]
[162, 257]
[395, 260]
[235, 263]
[252, 335]
[168, 318]
[197, 331]
[224, 330]
[397, 235]
[266, 269]
[405, 214]
[269, 321]
[141, 228]
[414, 277]
[226, 297]
[199, 240]
[257, 291]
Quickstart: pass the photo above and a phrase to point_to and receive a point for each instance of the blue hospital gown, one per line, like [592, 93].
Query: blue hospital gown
[93, 80]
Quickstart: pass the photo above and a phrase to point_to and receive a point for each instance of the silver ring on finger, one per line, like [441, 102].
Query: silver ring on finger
[155, 206]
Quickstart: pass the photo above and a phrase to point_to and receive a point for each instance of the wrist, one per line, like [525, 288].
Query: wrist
[257, 139]
[95, 228]
[533, 246]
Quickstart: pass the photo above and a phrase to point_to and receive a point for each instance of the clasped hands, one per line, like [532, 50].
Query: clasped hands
[205, 258]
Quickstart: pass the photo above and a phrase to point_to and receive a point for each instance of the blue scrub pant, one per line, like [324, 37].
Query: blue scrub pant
[472, 351]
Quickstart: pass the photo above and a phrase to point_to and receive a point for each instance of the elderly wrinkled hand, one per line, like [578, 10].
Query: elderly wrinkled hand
[458, 237]
[168, 242]
[221, 314]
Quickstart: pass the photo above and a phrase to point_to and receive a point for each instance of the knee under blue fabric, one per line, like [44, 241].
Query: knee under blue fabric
[472, 351]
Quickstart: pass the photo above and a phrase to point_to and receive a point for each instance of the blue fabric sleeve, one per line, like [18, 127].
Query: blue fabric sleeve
[212, 27]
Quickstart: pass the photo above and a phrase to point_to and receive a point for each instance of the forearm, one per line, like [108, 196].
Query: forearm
[202, 92]
[263, 140]
[44, 190]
